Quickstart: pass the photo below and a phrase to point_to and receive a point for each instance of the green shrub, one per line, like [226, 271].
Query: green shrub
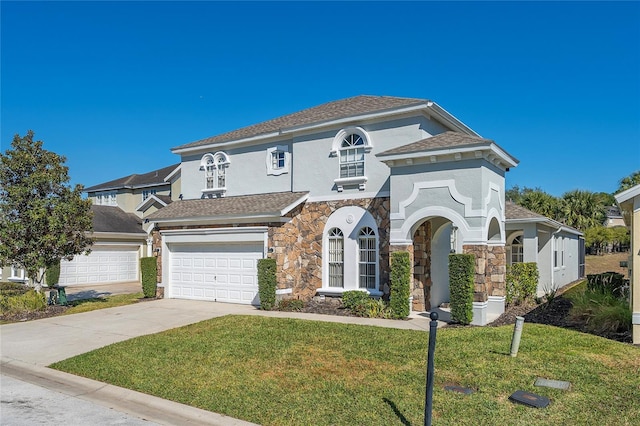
[461, 284]
[400, 281]
[609, 282]
[29, 301]
[522, 282]
[602, 313]
[353, 298]
[290, 305]
[53, 274]
[148, 266]
[9, 288]
[267, 283]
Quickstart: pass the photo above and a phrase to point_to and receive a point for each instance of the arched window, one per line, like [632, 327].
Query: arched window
[352, 156]
[336, 258]
[517, 250]
[367, 256]
[215, 173]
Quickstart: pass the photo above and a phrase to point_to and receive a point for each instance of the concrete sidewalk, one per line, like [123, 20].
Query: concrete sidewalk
[27, 348]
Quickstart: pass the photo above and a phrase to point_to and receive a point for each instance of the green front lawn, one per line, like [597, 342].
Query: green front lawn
[291, 372]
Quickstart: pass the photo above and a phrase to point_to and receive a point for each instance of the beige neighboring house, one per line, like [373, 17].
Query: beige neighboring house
[629, 202]
[119, 208]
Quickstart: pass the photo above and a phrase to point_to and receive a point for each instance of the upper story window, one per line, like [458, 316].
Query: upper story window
[147, 193]
[215, 172]
[351, 145]
[278, 160]
[352, 156]
[106, 199]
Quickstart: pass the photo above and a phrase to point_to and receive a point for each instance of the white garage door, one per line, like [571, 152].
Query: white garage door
[216, 272]
[102, 265]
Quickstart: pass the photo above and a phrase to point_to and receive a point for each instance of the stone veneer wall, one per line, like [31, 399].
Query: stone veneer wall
[491, 270]
[422, 264]
[297, 245]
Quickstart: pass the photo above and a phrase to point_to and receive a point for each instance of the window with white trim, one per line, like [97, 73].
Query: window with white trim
[106, 198]
[350, 252]
[352, 156]
[147, 193]
[367, 258]
[215, 172]
[351, 145]
[278, 160]
[517, 250]
[558, 252]
[336, 258]
[17, 273]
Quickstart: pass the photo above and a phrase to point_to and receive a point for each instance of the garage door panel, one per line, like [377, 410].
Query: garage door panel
[102, 265]
[220, 272]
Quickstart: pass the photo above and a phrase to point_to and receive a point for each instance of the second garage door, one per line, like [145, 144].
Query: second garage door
[105, 264]
[216, 272]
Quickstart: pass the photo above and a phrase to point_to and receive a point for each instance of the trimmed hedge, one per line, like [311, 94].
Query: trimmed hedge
[461, 284]
[149, 269]
[267, 283]
[53, 274]
[400, 280]
[522, 282]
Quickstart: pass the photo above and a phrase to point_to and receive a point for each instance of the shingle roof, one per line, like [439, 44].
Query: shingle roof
[114, 219]
[343, 108]
[244, 205]
[134, 181]
[443, 140]
[515, 211]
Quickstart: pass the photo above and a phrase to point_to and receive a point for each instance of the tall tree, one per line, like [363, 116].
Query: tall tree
[42, 219]
[540, 202]
[582, 209]
[630, 181]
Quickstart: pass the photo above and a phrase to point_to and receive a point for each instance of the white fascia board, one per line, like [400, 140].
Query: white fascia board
[118, 235]
[628, 194]
[215, 235]
[173, 173]
[505, 159]
[267, 217]
[222, 145]
[450, 119]
[295, 204]
[152, 198]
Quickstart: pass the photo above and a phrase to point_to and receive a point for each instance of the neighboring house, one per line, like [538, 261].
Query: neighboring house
[329, 192]
[114, 257]
[614, 217]
[139, 194]
[558, 249]
[120, 240]
[13, 274]
[629, 202]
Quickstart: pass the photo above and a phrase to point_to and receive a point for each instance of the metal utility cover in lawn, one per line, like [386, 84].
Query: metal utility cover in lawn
[459, 389]
[556, 384]
[530, 399]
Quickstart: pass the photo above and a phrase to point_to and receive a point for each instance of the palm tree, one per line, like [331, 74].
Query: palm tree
[540, 202]
[582, 209]
[632, 180]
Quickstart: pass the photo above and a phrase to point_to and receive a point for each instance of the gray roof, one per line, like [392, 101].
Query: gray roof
[440, 141]
[238, 206]
[155, 177]
[343, 108]
[114, 219]
[516, 211]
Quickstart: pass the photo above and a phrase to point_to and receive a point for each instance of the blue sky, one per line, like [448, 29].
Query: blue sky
[114, 85]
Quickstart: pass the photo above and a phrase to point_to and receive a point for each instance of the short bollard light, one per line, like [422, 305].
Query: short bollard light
[517, 333]
[433, 327]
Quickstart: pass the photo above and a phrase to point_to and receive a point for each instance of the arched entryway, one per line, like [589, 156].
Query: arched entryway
[433, 239]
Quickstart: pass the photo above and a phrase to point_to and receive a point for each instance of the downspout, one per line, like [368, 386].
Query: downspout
[554, 250]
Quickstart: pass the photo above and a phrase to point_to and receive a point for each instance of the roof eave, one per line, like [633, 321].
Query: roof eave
[494, 153]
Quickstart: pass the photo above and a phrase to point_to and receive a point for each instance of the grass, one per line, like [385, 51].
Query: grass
[276, 371]
[609, 262]
[86, 305]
